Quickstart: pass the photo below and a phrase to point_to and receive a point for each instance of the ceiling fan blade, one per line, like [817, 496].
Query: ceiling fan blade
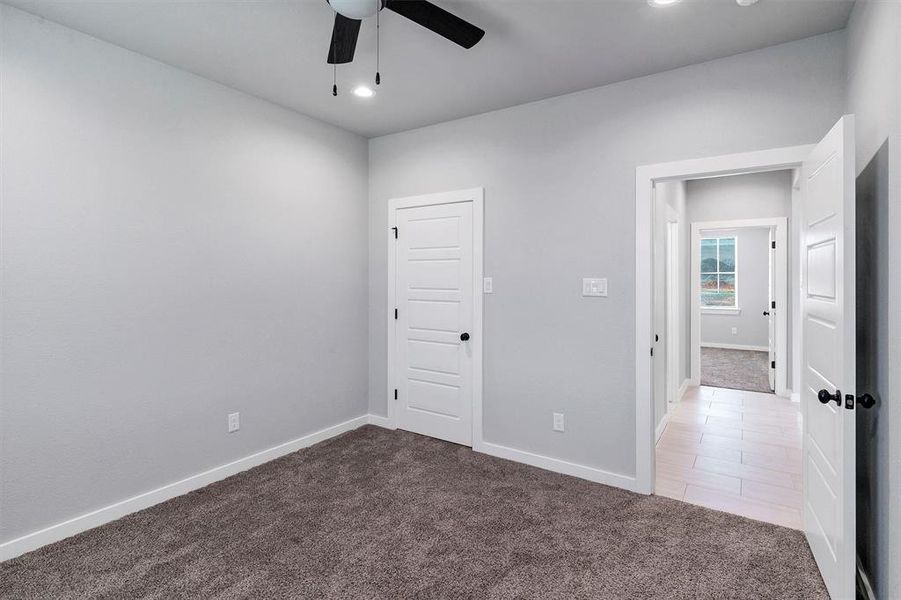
[344, 40]
[438, 20]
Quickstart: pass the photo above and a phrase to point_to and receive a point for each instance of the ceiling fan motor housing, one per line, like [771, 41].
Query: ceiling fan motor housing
[357, 9]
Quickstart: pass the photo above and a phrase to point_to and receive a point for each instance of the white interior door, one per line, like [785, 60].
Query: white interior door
[434, 320]
[770, 310]
[828, 355]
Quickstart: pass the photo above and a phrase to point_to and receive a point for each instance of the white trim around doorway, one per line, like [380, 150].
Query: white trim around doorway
[645, 176]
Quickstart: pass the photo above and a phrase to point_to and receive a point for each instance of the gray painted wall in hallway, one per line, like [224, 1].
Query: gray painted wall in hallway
[559, 179]
[754, 196]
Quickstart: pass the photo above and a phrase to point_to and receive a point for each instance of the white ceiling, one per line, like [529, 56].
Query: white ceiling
[532, 49]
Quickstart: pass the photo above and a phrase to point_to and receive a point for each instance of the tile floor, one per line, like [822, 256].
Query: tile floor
[735, 451]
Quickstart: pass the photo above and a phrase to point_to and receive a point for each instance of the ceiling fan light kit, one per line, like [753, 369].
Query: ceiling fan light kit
[349, 15]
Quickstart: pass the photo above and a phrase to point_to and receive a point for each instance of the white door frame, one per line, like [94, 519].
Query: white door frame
[731, 164]
[781, 226]
[674, 344]
[477, 197]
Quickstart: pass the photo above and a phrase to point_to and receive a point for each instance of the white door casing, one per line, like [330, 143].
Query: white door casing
[673, 312]
[775, 159]
[829, 356]
[434, 376]
[660, 340]
[771, 310]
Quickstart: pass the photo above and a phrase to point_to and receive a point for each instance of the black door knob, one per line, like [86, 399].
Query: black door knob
[464, 336]
[866, 401]
[825, 397]
[766, 313]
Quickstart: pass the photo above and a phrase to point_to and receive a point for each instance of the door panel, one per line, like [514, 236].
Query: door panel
[828, 356]
[434, 297]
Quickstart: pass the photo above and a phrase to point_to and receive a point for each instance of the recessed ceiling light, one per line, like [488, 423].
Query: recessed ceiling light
[363, 91]
[662, 2]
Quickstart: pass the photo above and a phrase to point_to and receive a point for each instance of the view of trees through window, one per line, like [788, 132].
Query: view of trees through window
[718, 272]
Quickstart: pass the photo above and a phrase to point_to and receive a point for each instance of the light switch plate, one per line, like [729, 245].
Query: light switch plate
[488, 285]
[594, 288]
[234, 422]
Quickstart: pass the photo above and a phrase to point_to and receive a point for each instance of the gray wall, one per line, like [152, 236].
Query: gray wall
[753, 274]
[754, 196]
[559, 178]
[172, 251]
[873, 94]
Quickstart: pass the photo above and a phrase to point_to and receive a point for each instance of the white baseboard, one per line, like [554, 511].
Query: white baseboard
[735, 347]
[558, 466]
[795, 396]
[661, 426]
[380, 421]
[683, 388]
[54, 533]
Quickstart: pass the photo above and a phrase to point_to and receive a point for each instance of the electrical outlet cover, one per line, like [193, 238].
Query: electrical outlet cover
[558, 421]
[234, 422]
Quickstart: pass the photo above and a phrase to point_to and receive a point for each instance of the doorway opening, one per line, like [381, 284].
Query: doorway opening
[741, 317]
[822, 238]
[728, 437]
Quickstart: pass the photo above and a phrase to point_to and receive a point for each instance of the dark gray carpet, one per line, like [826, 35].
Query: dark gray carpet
[735, 369]
[381, 514]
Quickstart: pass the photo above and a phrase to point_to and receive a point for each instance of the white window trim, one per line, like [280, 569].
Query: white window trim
[721, 310]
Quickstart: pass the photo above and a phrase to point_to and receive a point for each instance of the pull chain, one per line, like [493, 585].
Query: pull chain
[334, 78]
[378, 29]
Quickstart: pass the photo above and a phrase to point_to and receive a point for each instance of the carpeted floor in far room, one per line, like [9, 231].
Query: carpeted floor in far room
[735, 369]
[388, 514]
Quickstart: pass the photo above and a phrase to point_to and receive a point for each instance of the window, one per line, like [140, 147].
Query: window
[718, 279]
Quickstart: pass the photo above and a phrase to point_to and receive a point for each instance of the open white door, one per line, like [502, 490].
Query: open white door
[770, 311]
[829, 357]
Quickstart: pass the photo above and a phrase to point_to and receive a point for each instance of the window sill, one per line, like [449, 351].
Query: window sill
[732, 312]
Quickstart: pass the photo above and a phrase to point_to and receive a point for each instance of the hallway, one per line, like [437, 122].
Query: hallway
[734, 451]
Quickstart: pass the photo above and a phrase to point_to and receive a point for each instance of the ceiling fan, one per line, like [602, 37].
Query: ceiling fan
[349, 15]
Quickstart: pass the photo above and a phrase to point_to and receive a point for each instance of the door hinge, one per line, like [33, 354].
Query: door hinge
[652, 352]
[772, 363]
[773, 304]
[395, 314]
[773, 244]
[395, 393]
[395, 232]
